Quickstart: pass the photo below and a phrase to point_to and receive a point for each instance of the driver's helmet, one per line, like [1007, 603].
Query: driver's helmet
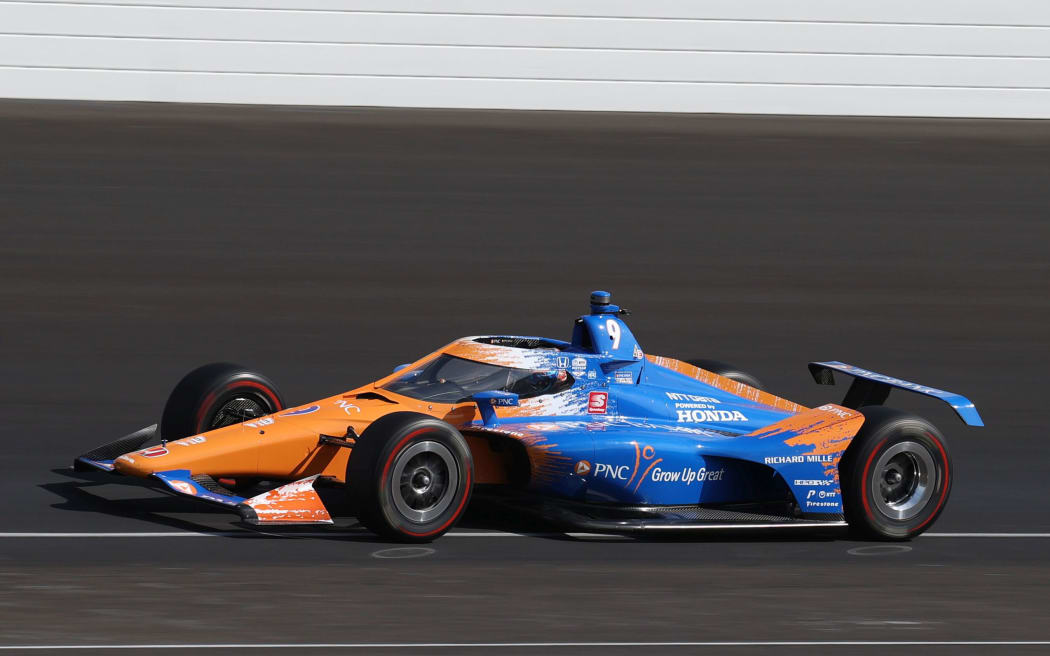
[539, 382]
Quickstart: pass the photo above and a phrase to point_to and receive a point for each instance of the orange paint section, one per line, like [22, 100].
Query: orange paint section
[294, 503]
[286, 445]
[546, 461]
[827, 430]
[490, 466]
[726, 384]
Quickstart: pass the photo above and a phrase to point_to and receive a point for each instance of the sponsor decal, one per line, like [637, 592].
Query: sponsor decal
[839, 412]
[347, 406]
[184, 487]
[265, 421]
[597, 403]
[710, 415]
[821, 504]
[638, 352]
[616, 472]
[815, 482]
[677, 396]
[933, 391]
[498, 402]
[789, 460]
[583, 468]
[127, 458]
[688, 475]
[827, 494]
[190, 441]
[563, 362]
[579, 364]
[154, 452]
[623, 378]
[592, 374]
[301, 411]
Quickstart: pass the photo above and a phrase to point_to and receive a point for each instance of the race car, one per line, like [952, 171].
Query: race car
[592, 434]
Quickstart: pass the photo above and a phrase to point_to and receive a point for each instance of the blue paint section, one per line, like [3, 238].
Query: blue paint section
[636, 461]
[606, 335]
[179, 481]
[488, 401]
[963, 406]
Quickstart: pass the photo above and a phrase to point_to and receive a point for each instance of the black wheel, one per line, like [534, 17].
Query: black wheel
[410, 477]
[217, 395]
[729, 371]
[895, 475]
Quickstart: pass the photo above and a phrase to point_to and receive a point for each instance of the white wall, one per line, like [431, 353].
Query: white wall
[917, 58]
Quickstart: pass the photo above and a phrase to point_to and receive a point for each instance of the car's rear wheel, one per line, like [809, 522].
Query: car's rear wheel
[728, 371]
[895, 475]
[217, 395]
[410, 477]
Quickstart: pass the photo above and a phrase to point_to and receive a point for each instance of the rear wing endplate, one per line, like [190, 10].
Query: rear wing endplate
[870, 388]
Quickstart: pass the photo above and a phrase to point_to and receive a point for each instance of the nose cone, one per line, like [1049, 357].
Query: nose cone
[144, 462]
[230, 450]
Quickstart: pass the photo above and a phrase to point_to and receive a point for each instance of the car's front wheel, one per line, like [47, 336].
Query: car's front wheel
[410, 477]
[217, 395]
[895, 475]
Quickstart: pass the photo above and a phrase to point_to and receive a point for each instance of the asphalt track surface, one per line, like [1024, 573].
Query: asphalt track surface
[323, 247]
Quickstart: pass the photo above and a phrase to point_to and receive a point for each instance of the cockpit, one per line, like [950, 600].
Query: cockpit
[450, 379]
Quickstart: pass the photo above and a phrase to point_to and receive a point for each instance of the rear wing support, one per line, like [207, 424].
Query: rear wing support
[870, 388]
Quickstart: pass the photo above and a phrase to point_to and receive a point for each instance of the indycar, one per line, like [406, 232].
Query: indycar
[592, 434]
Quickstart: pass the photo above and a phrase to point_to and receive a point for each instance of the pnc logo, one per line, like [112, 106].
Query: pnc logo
[583, 468]
[617, 472]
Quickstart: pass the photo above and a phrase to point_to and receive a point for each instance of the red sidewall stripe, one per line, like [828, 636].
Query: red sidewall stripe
[864, 479]
[944, 484]
[386, 470]
[234, 385]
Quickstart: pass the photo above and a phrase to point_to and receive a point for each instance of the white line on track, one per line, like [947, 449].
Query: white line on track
[986, 535]
[453, 534]
[269, 534]
[542, 645]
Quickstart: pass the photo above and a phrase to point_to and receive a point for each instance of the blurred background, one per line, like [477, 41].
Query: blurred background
[328, 189]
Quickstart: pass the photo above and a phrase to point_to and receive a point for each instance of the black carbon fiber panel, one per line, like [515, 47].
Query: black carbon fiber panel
[131, 442]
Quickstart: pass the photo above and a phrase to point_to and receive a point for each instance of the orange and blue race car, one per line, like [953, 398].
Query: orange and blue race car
[592, 434]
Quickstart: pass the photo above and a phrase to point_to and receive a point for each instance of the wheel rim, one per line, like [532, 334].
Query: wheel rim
[238, 409]
[903, 481]
[423, 481]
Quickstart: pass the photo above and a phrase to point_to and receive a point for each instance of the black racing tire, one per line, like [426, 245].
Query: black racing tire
[217, 395]
[410, 477]
[728, 371]
[895, 476]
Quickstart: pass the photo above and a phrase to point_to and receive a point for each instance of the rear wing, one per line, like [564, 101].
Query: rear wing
[870, 388]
